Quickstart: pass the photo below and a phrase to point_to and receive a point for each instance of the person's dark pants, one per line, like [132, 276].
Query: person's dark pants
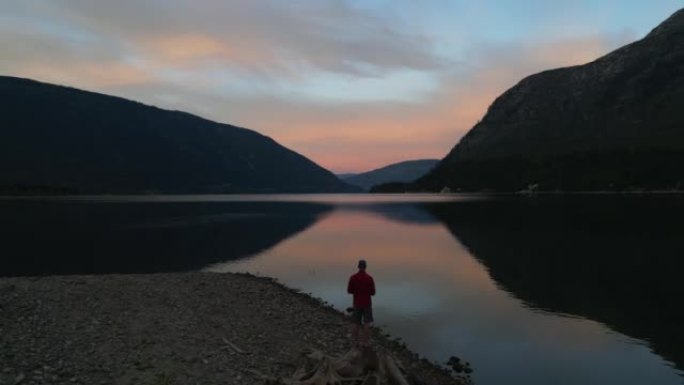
[362, 315]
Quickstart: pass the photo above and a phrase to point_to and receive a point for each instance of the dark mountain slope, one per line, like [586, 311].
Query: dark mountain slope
[78, 141]
[614, 123]
[407, 171]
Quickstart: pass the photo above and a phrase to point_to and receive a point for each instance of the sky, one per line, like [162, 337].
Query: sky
[351, 84]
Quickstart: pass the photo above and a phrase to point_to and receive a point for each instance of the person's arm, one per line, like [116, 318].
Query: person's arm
[372, 287]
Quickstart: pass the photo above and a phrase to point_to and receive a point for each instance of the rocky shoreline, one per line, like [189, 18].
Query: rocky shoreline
[162, 329]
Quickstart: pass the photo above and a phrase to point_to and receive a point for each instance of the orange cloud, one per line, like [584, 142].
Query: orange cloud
[189, 48]
[89, 75]
[182, 47]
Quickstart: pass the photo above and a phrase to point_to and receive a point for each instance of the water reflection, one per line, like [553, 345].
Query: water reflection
[443, 301]
[491, 280]
[617, 260]
[67, 236]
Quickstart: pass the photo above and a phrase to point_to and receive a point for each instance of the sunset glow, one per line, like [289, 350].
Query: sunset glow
[353, 85]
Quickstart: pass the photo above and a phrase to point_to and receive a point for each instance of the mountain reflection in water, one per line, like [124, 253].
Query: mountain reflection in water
[562, 290]
[616, 260]
[99, 236]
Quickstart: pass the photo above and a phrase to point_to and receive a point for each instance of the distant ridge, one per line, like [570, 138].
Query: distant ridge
[616, 123]
[407, 171]
[55, 138]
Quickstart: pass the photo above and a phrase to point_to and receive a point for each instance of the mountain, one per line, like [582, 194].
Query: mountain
[407, 171]
[613, 124]
[64, 140]
[346, 175]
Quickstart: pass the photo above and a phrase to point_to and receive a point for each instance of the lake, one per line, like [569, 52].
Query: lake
[582, 289]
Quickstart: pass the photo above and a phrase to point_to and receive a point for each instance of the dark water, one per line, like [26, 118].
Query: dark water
[561, 290]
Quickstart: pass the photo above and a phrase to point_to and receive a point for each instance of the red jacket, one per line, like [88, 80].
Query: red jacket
[362, 286]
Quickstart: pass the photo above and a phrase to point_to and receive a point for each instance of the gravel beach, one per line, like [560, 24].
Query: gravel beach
[187, 328]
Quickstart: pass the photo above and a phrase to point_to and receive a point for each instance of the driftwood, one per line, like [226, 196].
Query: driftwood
[233, 346]
[359, 366]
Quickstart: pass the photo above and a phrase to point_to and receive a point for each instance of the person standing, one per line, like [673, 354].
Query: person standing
[362, 287]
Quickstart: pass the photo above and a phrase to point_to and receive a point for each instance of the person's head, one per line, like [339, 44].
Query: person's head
[362, 264]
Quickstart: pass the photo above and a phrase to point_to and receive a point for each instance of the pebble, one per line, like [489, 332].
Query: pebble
[91, 333]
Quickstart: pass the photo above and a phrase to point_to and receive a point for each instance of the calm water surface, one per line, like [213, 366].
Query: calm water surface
[581, 290]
